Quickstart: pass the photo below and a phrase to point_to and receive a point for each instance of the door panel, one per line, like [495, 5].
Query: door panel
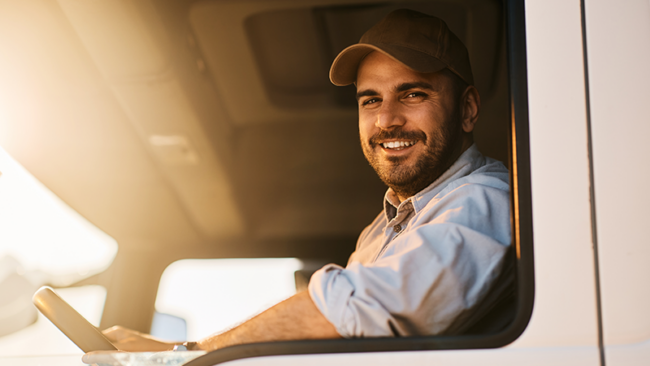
[618, 45]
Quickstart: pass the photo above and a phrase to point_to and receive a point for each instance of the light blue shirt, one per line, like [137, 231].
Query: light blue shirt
[425, 262]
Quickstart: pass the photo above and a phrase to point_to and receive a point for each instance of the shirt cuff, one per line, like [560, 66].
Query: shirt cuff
[330, 291]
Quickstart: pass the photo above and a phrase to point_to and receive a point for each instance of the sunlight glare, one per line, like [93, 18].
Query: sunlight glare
[44, 234]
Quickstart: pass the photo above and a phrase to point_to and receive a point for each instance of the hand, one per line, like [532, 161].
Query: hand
[133, 341]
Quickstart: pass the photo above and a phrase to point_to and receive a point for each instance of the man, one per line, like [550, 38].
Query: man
[434, 252]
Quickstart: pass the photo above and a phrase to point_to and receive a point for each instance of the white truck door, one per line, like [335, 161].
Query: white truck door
[618, 59]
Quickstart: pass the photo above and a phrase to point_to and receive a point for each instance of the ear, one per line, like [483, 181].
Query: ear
[471, 104]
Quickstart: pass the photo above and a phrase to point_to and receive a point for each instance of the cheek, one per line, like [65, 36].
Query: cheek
[425, 121]
[429, 118]
[366, 126]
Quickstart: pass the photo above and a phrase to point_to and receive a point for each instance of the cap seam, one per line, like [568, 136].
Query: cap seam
[439, 40]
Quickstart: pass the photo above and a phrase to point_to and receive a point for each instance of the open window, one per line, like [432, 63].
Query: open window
[290, 49]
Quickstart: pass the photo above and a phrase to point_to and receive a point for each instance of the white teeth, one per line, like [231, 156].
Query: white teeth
[397, 144]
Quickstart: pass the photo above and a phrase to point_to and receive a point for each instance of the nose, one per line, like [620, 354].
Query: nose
[389, 115]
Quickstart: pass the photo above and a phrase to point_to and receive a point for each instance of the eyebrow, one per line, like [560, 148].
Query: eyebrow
[400, 88]
[416, 85]
[366, 93]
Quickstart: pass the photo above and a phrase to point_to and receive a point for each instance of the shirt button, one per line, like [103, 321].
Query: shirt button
[397, 228]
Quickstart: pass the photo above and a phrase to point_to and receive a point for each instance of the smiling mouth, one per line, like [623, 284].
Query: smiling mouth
[398, 145]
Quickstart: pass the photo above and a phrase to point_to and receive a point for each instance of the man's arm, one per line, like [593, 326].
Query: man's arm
[293, 319]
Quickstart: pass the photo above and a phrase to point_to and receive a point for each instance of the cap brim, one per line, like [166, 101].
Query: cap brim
[344, 68]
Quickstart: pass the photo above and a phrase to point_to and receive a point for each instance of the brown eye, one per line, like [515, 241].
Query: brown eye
[415, 94]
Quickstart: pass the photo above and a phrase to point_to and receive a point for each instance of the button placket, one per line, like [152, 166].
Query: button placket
[402, 215]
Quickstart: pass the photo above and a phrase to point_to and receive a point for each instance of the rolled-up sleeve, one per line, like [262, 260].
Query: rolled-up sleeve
[425, 278]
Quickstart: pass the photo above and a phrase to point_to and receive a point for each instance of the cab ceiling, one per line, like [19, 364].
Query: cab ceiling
[201, 121]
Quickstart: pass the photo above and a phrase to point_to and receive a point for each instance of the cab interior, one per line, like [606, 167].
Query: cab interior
[209, 129]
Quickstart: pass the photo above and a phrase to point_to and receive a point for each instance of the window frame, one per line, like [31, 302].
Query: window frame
[522, 234]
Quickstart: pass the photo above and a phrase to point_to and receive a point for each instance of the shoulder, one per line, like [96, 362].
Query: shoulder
[492, 174]
[478, 201]
[488, 180]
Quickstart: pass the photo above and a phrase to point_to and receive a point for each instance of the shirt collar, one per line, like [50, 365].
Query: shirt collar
[462, 166]
[392, 204]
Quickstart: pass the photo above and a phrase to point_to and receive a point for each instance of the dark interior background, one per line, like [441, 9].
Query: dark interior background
[296, 175]
[304, 187]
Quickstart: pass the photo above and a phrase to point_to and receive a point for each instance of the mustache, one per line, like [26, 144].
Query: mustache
[400, 134]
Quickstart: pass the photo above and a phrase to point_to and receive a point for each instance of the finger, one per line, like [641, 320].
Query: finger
[110, 334]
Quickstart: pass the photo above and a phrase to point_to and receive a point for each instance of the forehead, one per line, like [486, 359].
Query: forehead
[379, 71]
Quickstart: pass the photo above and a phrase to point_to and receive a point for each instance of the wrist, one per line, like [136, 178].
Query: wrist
[187, 346]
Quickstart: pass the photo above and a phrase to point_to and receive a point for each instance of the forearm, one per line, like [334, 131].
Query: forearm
[293, 319]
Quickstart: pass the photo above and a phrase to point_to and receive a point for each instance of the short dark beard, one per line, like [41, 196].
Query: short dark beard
[441, 148]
